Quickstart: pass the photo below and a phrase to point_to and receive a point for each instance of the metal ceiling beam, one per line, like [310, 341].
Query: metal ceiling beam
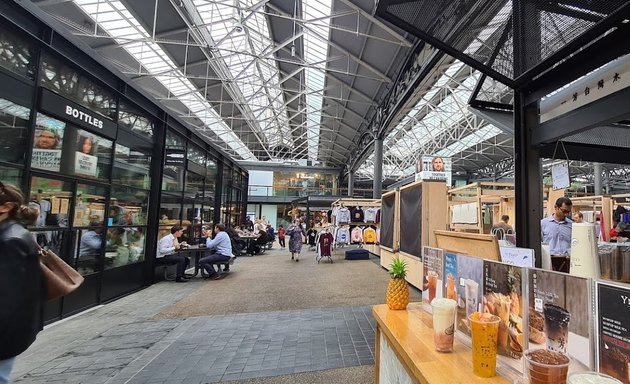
[379, 23]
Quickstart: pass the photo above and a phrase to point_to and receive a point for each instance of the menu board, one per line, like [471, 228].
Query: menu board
[468, 285]
[432, 270]
[614, 323]
[503, 297]
[560, 316]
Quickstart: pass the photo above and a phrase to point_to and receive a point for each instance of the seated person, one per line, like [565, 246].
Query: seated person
[91, 242]
[254, 245]
[271, 233]
[502, 228]
[221, 250]
[238, 244]
[166, 252]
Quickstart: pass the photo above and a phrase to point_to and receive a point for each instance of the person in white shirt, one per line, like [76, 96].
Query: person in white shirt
[221, 250]
[166, 252]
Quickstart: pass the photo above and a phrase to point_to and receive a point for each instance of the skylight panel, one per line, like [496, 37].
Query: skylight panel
[177, 83]
[315, 51]
[243, 52]
[481, 135]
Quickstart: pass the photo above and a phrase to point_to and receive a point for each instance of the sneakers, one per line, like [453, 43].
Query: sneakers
[181, 280]
[291, 257]
[218, 276]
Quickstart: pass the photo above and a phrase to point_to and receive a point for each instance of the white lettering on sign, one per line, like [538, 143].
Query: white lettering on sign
[84, 117]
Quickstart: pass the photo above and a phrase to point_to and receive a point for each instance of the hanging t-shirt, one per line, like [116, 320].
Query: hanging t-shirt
[378, 216]
[310, 237]
[342, 236]
[357, 215]
[325, 244]
[329, 215]
[378, 235]
[343, 216]
[357, 235]
[369, 215]
[369, 235]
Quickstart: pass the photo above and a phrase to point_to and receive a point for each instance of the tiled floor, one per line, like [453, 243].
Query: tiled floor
[124, 342]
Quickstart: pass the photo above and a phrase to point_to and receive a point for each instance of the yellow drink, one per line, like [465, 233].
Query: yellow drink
[484, 328]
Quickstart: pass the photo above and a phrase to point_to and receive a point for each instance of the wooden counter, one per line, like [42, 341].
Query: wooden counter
[405, 338]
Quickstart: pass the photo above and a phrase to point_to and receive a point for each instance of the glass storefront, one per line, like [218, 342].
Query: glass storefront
[107, 177]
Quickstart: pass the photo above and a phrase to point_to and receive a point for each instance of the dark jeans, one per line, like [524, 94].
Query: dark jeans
[181, 261]
[281, 241]
[206, 261]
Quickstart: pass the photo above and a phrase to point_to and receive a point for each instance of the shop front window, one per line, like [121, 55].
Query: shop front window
[14, 120]
[11, 175]
[133, 120]
[124, 246]
[89, 208]
[89, 250]
[128, 206]
[68, 82]
[54, 198]
[17, 55]
[131, 167]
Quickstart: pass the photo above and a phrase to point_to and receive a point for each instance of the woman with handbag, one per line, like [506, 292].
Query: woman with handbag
[22, 290]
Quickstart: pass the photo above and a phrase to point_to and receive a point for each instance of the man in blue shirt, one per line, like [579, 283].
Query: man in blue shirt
[221, 250]
[556, 229]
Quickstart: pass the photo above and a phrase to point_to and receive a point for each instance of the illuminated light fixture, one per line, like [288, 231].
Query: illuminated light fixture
[293, 50]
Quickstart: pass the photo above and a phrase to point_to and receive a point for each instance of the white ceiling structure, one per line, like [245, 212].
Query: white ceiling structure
[296, 81]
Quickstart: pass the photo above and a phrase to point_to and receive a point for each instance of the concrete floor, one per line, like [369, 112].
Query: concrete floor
[270, 320]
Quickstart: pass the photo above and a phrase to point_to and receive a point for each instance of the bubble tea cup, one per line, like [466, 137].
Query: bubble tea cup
[444, 312]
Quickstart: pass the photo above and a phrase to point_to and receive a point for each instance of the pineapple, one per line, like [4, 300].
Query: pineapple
[397, 290]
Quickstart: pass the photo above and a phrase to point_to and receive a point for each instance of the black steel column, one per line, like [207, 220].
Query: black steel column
[527, 166]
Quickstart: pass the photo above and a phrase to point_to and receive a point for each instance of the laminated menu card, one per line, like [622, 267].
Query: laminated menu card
[559, 316]
[468, 286]
[613, 312]
[432, 259]
[503, 297]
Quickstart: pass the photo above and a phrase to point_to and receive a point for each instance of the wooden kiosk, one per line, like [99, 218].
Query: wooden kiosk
[420, 209]
[466, 206]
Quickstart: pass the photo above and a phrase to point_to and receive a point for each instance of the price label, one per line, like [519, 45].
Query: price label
[538, 304]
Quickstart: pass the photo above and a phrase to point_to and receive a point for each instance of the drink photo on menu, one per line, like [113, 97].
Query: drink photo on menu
[559, 315]
[468, 290]
[432, 285]
[503, 297]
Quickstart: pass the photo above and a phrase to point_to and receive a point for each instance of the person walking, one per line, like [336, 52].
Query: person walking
[21, 281]
[281, 235]
[295, 232]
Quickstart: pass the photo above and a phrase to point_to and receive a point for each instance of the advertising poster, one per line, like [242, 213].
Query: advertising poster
[503, 297]
[434, 168]
[433, 268]
[614, 323]
[559, 316]
[468, 288]
[47, 149]
[450, 276]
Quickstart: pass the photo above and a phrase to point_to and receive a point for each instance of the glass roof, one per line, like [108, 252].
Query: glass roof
[119, 23]
[427, 129]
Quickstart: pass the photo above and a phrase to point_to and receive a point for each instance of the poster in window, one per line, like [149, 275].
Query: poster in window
[47, 148]
[85, 163]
